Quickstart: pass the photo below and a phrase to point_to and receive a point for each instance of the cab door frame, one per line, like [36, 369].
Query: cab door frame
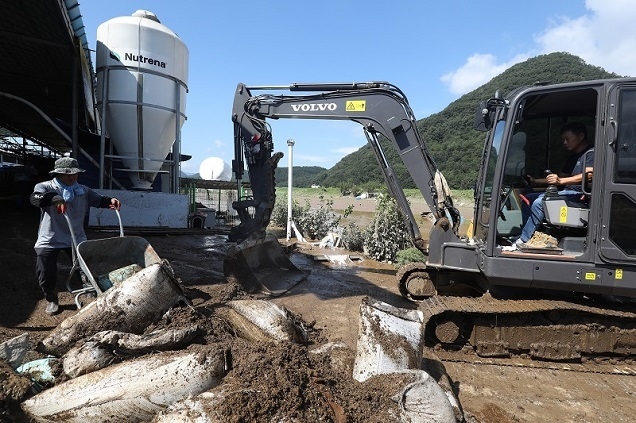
[617, 229]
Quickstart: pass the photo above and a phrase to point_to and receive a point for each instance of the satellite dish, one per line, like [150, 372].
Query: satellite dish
[215, 169]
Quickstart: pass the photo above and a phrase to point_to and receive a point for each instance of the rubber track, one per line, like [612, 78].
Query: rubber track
[487, 305]
[618, 369]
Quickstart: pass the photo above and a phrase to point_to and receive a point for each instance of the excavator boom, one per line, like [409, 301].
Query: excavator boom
[381, 109]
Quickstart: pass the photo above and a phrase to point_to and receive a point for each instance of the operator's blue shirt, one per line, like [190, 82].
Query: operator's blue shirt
[575, 166]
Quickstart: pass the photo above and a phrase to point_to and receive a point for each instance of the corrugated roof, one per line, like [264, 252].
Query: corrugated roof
[42, 60]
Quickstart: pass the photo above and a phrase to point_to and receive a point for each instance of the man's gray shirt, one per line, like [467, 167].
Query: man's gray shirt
[54, 231]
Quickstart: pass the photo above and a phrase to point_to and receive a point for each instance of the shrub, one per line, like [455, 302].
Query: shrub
[387, 234]
[316, 223]
[353, 237]
[346, 188]
[279, 213]
[410, 255]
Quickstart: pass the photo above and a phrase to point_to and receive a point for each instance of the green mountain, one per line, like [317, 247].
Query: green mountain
[455, 146]
[303, 176]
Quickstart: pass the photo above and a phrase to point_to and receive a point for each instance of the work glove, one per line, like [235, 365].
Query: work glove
[59, 203]
[115, 204]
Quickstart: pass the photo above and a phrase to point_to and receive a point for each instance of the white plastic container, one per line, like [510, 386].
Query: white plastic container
[142, 75]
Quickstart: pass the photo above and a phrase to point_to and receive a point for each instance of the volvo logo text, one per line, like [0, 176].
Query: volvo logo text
[313, 107]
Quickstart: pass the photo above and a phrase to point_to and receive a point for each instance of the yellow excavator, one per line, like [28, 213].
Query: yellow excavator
[568, 302]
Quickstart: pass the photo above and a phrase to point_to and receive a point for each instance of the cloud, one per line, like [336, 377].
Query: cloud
[478, 69]
[604, 37]
[311, 158]
[345, 150]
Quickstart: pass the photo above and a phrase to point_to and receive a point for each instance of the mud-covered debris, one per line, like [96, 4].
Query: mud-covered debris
[14, 350]
[108, 347]
[131, 391]
[263, 321]
[128, 307]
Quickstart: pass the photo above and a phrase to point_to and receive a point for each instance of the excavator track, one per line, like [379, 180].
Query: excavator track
[490, 330]
[600, 366]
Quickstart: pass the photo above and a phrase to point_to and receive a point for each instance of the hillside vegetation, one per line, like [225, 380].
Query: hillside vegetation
[303, 177]
[455, 146]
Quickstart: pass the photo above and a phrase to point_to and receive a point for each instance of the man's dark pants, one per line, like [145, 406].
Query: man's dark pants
[46, 270]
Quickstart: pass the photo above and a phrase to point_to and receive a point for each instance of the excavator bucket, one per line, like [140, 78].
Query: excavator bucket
[261, 265]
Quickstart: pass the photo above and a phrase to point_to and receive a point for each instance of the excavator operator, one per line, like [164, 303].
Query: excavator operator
[575, 141]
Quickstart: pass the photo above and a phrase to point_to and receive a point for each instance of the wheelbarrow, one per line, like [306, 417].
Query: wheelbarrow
[108, 261]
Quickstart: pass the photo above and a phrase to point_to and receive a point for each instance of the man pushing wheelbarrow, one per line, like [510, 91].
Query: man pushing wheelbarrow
[61, 195]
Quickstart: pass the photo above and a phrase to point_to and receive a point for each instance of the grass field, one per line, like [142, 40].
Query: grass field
[460, 197]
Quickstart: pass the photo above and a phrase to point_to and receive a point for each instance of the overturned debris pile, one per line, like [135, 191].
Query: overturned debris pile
[241, 360]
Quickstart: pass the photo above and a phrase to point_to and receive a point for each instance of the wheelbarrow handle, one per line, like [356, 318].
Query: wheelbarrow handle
[70, 228]
[121, 227]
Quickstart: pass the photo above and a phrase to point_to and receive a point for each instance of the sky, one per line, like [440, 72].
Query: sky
[434, 51]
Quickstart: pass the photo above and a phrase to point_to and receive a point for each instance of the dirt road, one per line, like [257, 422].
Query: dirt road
[330, 298]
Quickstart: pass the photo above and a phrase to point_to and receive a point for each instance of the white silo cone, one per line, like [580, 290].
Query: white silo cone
[142, 72]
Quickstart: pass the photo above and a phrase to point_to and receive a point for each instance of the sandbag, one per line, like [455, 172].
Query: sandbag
[389, 339]
[199, 409]
[128, 307]
[262, 321]
[108, 347]
[422, 400]
[132, 391]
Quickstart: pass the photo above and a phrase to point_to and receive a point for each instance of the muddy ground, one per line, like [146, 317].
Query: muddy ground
[299, 387]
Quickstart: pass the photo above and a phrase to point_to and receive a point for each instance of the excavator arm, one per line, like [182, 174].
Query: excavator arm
[380, 107]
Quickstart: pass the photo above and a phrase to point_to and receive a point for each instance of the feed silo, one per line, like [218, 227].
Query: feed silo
[142, 73]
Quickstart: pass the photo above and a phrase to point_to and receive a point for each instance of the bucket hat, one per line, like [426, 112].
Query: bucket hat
[66, 166]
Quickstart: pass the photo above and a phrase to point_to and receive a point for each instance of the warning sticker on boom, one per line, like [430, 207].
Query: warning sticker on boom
[356, 105]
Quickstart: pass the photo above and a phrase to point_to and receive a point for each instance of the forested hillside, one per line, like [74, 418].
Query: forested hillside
[303, 177]
[455, 146]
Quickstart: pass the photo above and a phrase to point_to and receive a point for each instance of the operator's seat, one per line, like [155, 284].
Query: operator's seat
[559, 211]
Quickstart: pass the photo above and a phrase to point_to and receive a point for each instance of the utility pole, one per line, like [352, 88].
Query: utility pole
[290, 160]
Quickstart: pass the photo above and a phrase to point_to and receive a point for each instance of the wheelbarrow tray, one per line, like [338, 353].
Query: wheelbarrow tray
[99, 257]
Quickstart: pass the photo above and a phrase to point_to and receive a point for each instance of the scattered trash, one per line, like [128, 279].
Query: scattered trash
[14, 350]
[105, 282]
[341, 259]
[39, 371]
[331, 240]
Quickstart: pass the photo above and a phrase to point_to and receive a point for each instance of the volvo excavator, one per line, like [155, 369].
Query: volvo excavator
[572, 302]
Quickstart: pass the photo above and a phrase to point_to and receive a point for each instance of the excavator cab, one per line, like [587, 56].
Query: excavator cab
[523, 139]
